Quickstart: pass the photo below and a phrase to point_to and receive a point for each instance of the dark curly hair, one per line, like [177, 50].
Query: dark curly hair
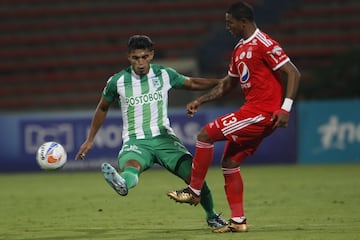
[241, 10]
[140, 42]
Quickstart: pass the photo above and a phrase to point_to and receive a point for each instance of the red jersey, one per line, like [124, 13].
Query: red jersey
[255, 62]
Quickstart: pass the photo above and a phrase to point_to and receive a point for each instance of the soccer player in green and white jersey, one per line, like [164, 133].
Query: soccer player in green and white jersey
[141, 91]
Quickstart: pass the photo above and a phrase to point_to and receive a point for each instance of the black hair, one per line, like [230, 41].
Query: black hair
[140, 42]
[241, 10]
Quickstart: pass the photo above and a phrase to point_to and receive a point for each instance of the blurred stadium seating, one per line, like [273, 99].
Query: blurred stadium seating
[58, 54]
[317, 30]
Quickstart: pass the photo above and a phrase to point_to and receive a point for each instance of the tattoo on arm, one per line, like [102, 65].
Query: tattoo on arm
[215, 93]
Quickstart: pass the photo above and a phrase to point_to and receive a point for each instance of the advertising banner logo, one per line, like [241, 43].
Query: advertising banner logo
[329, 131]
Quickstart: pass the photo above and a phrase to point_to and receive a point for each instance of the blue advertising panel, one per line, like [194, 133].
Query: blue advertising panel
[329, 131]
[22, 134]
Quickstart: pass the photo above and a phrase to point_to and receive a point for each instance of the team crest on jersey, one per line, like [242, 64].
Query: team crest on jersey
[243, 72]
[156, 82]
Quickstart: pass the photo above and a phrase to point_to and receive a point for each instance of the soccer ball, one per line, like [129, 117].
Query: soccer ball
[51, 156]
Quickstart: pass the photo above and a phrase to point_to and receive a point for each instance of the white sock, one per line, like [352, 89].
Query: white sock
[239, 219]
[197, 192]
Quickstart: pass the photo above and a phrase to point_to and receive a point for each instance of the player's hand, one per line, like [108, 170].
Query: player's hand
[281, 118]
[192, 108]
[85, 147]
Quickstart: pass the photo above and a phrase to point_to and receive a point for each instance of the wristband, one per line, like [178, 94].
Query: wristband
[287, 104]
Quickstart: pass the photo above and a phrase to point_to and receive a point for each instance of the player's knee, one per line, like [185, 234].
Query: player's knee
[228, 163]
[203, 136]
[133, 163]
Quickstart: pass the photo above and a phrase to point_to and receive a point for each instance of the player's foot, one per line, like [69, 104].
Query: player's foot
[216, 221]
[232, 226]
[185, 195]
[114, 179]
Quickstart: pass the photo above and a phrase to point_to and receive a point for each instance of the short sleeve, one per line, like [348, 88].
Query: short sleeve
[275, 56]
[177, 80]
[110, 90]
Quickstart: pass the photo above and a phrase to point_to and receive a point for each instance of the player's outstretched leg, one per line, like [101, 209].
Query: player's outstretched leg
[113, 178]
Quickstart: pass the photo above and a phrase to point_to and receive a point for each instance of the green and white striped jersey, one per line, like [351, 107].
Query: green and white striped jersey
[143, 100]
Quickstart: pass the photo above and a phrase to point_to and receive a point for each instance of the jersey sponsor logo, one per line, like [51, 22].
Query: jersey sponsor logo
[156, 82]
[144, 98]
[244, 74]
[131, 148]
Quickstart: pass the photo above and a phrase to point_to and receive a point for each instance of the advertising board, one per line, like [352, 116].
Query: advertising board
[329, 131]
[22, 134]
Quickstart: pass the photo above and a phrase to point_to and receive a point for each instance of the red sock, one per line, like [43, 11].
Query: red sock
[234, 189]
[201, 162]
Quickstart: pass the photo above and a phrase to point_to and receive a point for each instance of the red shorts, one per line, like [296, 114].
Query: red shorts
[243, 130]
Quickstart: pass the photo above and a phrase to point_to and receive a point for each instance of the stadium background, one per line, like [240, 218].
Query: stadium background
[56, 56]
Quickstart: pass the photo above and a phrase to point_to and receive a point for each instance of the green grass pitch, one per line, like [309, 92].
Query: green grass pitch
[282, 202]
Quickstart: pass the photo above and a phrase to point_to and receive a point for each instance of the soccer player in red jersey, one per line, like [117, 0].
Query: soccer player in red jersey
[257, 63]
